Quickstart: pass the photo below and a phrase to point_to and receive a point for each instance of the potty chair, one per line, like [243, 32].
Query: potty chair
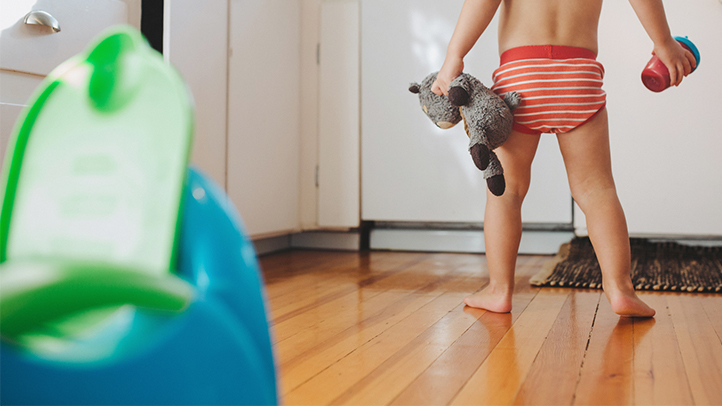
[125, 276]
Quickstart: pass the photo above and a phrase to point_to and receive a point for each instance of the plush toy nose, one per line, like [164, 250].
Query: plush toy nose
[444, 125]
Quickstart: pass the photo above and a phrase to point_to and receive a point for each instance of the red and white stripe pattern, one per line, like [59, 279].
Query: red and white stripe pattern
[560, 87]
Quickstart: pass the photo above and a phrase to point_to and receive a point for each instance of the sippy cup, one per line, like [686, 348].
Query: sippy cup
[655, 75]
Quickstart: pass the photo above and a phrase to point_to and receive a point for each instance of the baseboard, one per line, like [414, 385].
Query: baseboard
[270, 245]
[329, 240]
[326, 240]
[468, 241]
[534, 242]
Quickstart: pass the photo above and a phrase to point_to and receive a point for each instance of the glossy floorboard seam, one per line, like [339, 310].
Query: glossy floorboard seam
[584, 357]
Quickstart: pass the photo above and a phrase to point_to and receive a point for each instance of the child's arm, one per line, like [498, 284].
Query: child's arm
[475, 17]
[678, 60]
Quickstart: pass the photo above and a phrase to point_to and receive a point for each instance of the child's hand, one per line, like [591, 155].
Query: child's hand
[677, 59]
[450, 71]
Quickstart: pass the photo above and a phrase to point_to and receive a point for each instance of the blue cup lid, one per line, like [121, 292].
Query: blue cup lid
[691, 47]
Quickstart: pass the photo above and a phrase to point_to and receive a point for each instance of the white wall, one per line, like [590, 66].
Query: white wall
[196, 43]
[264, 120]
[665, 146]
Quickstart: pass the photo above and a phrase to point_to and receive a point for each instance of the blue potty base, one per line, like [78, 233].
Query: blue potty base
[218, 351]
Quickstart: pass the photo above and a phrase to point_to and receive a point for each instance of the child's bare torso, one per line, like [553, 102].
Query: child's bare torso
[549, 22]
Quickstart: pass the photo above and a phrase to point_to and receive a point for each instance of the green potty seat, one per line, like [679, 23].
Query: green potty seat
[94, 175]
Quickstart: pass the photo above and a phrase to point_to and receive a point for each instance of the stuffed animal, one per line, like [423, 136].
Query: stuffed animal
[487, 119]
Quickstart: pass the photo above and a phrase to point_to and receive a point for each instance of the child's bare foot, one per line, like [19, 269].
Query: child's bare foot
[493, 300]
[626, 303]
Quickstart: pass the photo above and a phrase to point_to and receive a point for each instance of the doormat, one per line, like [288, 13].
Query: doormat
[663, 266]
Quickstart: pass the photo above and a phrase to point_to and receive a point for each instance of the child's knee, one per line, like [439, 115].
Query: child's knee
[590, 195]
[516, 188]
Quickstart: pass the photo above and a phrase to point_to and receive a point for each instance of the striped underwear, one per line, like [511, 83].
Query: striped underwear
[560, 87]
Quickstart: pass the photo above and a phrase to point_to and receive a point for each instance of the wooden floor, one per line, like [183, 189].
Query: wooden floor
[383, 328]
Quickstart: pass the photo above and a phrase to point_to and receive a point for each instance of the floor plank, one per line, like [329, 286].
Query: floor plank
[340, 376]
[440, 382]
[660, 377]
[552, 379]
[699, 346]
[341, 270]
[607, 372]
[331, 347]
[317, 324]
[712, 305]
[500, 376]
[383, 384]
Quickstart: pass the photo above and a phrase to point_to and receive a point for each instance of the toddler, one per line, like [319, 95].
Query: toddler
[548, 55]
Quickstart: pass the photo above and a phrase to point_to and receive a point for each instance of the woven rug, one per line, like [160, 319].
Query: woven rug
[655, 266]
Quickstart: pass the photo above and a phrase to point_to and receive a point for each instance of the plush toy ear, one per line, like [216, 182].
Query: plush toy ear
[415, 88]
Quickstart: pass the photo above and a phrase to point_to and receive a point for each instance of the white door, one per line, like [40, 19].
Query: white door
[411, 170]
[263, 114]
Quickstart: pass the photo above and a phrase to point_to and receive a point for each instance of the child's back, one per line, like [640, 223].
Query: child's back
[549, 22]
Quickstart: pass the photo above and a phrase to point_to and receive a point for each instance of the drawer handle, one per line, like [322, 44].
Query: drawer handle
[39, 17]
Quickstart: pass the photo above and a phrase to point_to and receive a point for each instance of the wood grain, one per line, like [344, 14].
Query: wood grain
[660, 377]
[552, 379]
[500, 376]
[606, 376]
[318, 323]
[330, 347]
[441, 381]
[342, 375]
[383, 384]
[699, 346]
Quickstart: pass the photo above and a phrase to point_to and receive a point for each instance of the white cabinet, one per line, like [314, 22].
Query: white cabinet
[29, 52]
[666, 147]
[411, 170]
[263, 114]
[38, 50]
[339, 116]
[196, 43]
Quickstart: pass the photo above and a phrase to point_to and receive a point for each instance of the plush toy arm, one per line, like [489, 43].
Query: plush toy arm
[494, 175]
[513, 100]
[460, 90]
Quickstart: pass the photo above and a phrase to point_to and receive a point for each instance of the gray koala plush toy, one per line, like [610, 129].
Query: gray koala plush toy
[487, 119]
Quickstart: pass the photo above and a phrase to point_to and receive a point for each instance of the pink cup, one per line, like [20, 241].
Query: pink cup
[655, 75]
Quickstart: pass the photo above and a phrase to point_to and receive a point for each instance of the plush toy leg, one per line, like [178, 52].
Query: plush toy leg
[494, 175]
[480, 155]
[496, 185]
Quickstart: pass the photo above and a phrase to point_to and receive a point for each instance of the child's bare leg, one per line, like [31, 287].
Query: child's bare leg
[588, 163]
[502, 223]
